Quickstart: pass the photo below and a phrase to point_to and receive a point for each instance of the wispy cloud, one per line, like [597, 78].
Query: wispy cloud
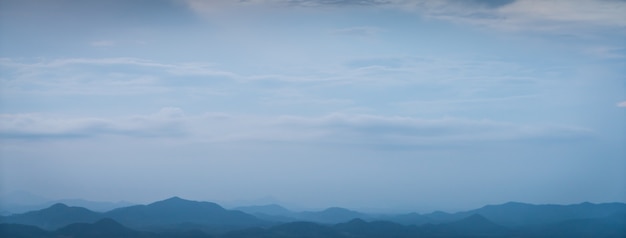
[621, 104]
[517, 15]
[331, 128]
[166, 122]
[527, 14]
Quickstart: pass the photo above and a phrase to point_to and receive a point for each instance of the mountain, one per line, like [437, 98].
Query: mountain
[271, 209]
[408, 219]
[361, 228]
[613, 226]
[514, 214]
[94, 205]
[474, 225]
[105, 228]
[19, 202]
[180, 212]
[176, 217]
[304, 229]
[277, 213]
[22, 231]
[56, 216]
[270, 212]
[331, 215]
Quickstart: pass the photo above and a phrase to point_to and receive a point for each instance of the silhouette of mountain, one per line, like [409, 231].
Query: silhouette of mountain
[105, 228]
[271, 209]
[474, 225]
[441, 217]
[610, 226]
[20, 202]
[514, 214]
[270, 212]
[361, 228]
[304, 229]
[409, 219]
[176, 217]
[94, 205]
[176, 211]
[22, 231]
[56, 216]
[331, 215]
[287, 230]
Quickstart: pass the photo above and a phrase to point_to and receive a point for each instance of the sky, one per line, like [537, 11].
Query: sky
[386, 105]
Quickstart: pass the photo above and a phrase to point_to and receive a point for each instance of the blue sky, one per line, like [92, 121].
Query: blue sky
[388, 105]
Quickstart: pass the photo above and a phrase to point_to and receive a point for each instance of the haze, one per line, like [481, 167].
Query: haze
[385, 105]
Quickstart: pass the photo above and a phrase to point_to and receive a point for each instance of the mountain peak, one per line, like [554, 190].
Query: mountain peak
[336, 209]
[175, 198]
[59, 205]
[174, 201]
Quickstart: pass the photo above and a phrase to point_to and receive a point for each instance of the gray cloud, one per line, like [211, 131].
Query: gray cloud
[339, 2]
[333, 128]
[165, 123]
[548, 16]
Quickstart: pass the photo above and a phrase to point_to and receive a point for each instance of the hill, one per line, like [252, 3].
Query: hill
[55, 216]
[105, 228]
[179, 213]
[514, 214]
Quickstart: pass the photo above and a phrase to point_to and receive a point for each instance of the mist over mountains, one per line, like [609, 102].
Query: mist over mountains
[177, 217]
[22, 201]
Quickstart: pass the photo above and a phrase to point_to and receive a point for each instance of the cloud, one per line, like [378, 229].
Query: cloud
[360, 128]
[314, 3]
[331, 128]
[555, 16]
[621, 104]
[165, 123]
[96, 76]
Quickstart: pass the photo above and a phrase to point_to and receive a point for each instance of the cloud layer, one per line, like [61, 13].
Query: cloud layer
[527, 15]
[358, 129]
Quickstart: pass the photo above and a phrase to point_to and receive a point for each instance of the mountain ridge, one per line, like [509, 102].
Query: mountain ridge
[177, 214]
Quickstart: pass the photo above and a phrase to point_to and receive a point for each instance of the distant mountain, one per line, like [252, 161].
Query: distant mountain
[304, 229]
[613, 226]
[474, 225]
[19, 202]
[270, 212]
[361, 228]
[176, 212]
[515, 214]
[274, 212]
[176, 217]
[22, 231]
[105, 228]
[271, 209]
[56, 216]
[94, 205]
[331, 215]
[409, 219]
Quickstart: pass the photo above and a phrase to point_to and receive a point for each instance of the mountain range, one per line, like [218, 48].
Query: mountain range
[20, 201]
[176, 217]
